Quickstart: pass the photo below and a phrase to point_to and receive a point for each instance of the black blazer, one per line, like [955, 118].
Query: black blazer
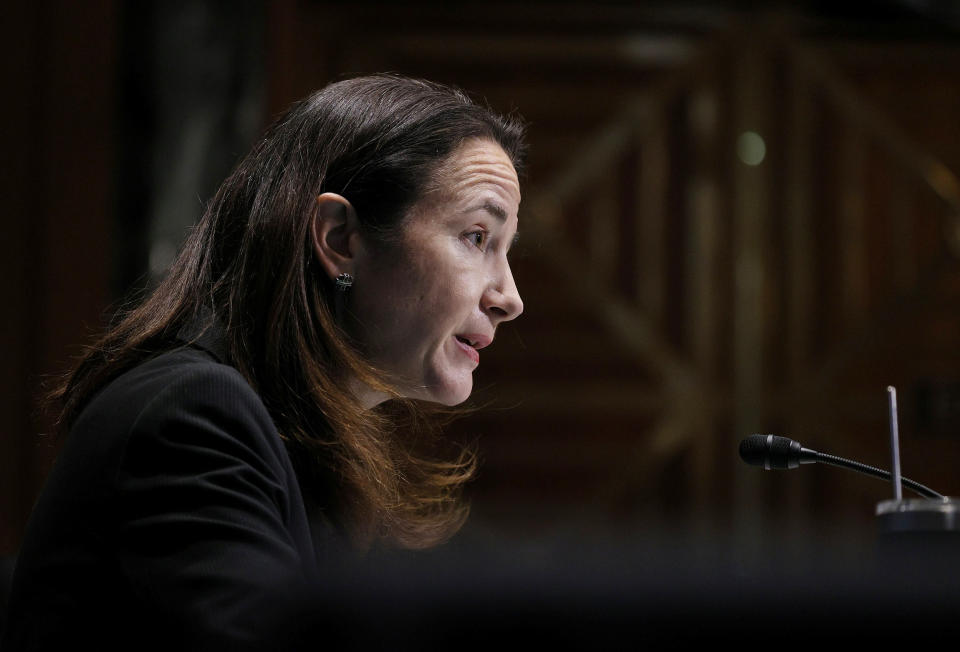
[172, 519]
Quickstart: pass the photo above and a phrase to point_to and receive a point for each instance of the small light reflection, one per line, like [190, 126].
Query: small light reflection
[750, 148]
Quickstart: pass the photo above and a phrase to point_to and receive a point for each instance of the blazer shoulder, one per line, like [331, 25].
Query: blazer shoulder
[183, 400]
[180, 379]
[187, 393]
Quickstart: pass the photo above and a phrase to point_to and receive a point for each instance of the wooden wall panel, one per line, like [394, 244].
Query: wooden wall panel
[58, 113]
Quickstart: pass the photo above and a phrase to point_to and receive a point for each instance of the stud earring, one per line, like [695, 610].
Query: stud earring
[344, 281]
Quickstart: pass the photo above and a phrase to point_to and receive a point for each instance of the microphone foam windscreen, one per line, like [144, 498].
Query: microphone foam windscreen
[753, 450]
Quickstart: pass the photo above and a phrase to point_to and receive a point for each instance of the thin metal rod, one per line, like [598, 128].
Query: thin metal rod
[895, 444]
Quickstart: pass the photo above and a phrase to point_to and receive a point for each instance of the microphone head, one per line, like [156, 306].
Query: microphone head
[754, 450]
[771, 452]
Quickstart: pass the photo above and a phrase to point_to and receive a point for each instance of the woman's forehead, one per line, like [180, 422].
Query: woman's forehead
[479, 165]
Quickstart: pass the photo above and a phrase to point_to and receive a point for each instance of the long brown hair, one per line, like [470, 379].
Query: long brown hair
[248, 266]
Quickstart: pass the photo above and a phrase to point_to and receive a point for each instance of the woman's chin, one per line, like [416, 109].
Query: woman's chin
[451, 392]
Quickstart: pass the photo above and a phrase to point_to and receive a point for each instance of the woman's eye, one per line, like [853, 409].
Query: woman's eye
[478, 238]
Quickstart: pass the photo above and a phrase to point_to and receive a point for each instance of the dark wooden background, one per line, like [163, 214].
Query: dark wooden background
[676, 299]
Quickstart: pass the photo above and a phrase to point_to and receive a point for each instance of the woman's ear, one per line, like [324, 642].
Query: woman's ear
[335, 234]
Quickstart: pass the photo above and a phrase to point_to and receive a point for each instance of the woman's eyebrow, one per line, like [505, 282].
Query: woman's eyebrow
[496, 210]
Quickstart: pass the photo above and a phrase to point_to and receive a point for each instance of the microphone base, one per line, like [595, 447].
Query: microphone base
[919, 515]
[919, 536]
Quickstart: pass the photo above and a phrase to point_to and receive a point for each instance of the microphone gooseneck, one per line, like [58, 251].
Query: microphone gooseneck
[774, 452]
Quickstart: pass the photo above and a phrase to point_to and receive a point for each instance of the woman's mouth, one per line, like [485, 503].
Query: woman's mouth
[469, 347]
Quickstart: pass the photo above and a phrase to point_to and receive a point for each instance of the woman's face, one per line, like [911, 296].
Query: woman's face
[429, 303]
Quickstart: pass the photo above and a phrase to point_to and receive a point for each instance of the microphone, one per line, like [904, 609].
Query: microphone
[773, 452]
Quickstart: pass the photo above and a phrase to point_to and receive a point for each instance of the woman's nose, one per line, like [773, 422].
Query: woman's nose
[502, 300]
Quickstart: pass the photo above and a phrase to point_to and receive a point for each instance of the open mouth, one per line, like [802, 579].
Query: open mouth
[469, 347]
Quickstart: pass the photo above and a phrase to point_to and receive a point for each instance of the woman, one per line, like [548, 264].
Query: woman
[230, 431]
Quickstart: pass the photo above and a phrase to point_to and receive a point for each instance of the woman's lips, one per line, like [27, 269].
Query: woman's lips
[463, 341]
[476, 340]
